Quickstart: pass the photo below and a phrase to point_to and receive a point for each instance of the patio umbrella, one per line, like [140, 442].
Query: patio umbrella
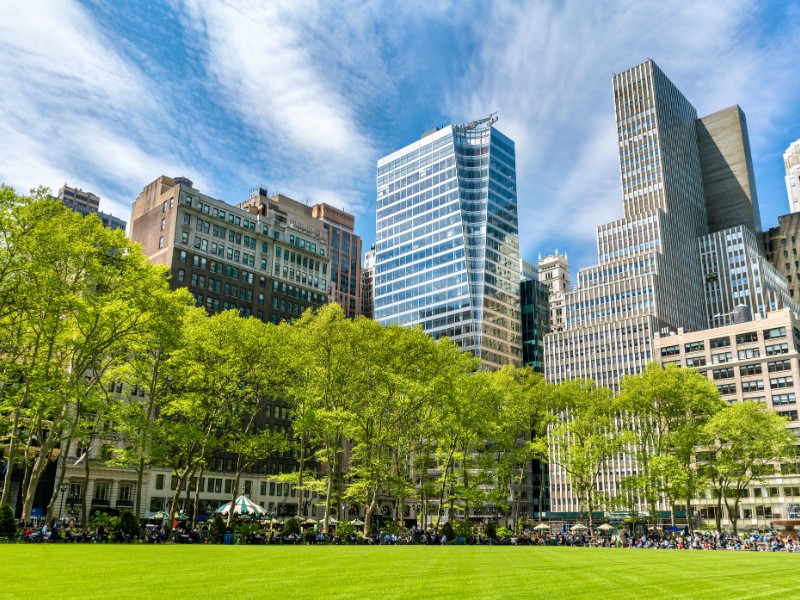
[160, 515]
[578, 527]
[541, 527]
[242, 507]
[310, 521]
[331, 521]
[673, 528]
[605, 527]
[357, 522]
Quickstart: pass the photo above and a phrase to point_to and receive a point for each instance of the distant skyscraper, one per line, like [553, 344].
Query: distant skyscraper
[345, 256]
[554, 273]
[88, 203]
[729, 183]
[535, 311]
[447, 249]
[649, 272]
[368, 284]
[791, 159]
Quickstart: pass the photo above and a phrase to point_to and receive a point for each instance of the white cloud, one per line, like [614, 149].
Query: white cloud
[303, 75]
[549, 76]
[73, 108]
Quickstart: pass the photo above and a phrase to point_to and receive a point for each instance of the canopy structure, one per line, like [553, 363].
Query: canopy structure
[357, 522]
[541, 527]
[331, 521]
[165, 515]
[242, 507]
[578, 527]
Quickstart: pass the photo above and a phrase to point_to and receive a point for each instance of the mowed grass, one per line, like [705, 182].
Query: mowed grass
[138, 571]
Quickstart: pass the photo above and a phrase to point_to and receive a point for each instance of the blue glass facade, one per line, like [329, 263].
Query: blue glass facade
[447, 246]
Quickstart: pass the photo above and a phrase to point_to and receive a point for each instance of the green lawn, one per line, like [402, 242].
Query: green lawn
[116, 571]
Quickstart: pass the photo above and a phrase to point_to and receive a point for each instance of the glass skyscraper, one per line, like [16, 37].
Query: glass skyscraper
[447, 244]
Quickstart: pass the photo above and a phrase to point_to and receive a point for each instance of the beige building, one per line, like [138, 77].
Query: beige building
[755, 360]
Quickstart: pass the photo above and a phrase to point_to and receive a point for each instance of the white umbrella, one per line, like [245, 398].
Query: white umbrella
[243, 507]
[578, 527]
[357, 522]
[541, 527]
[605, 527]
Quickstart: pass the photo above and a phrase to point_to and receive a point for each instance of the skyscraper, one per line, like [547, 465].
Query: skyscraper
[649, 273]
[368, 284]
[266, 257]
[345, 257]
[88, 203]
[447, 247]
[791, 160]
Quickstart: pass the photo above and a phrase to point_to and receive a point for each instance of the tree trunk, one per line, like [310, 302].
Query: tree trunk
[370, 510]
[62, 467]
[541, 489]
[84, 512]
[139, 484]
[718, 515]
[12, 451]
[239, 468]
[690, 515]
[177, 495]
[198, 489]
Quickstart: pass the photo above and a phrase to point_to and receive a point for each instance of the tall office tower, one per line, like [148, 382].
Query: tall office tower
[267, 257]
[649, 273]
[728, 180]
[535, 310]
[783, 250]
[345, 255]
[87, 203]
[554, 273]
[791, 159]
[368, 284]
[648, 276]
[447, 249]
[736, 272]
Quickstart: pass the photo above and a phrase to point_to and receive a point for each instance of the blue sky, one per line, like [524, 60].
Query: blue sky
[304, 97]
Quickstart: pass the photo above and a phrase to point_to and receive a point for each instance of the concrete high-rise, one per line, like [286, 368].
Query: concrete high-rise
[345, 256]
[267, 257]
[791, 160]
[783, 250]
[447, 248]
[728, 180]
[88, 203]
[554, 273]
[687, 252]
[648, 276]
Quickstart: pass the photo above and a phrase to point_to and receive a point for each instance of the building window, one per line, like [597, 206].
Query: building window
[160, 482]
[161, 242]
[163, 224]
[101, 490]
[181, 274]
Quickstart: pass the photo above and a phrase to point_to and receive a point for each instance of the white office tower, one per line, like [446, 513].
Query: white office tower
[791, 159]
[648, 276]
[447, 246]
[737, 273]
[554, 273]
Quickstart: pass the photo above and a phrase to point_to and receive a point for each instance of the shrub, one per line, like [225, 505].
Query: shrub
[129, 524]
[8, 525]
[218, 528]
[291, 526]
[504, 533]
[447, 530]
[490, 530]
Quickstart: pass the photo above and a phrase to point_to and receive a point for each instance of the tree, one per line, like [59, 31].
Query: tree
[584, 438]
[73, 295]
[527, 409]
[746, 441]
[669, 407]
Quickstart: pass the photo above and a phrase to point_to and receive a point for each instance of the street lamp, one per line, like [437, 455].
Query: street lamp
[63, 489]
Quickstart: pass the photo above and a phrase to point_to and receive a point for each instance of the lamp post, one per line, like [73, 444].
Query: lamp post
[63, 489]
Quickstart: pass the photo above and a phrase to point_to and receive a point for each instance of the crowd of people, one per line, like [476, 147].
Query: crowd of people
[657, 540]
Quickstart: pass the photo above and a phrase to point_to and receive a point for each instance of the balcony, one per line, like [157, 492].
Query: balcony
[96, 503]
[124, 503]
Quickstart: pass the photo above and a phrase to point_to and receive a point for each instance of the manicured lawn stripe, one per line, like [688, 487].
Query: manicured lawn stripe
[458, 572]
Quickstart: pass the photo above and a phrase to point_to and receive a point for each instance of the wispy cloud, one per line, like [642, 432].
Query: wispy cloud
[304, 75]
[73, 108]
[549, 77]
